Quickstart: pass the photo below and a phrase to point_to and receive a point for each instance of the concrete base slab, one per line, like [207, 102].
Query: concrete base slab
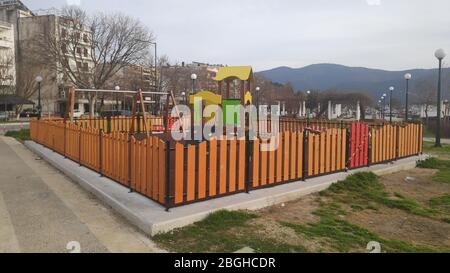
[152, 218]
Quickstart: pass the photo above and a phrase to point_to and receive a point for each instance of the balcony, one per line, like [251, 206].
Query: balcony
[5, 43]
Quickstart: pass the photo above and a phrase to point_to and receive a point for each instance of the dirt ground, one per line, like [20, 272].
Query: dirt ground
[393, 224]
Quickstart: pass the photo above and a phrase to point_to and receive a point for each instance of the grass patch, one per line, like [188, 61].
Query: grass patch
[443, 176]
[21, 135]
[363, 191]
[344, 236]
[359, 192]
[223, 231]
[442, 152]
[441, 203]
[226, 231]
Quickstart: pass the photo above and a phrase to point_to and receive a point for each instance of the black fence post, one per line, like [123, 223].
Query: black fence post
[248, 160]
[167, 193]
[348, 150]
[419, 137]
[369, 159]
[397, 144]
[305, 155]
[129, 163]
[100, 151]
[79, 147]
[65, 136]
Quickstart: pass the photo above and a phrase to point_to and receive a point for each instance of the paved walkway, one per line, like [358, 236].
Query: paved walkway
[41, 210]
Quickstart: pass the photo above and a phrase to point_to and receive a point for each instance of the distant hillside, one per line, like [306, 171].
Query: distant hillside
[344, 78]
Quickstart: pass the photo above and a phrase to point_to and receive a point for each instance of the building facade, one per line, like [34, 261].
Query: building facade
[31, 32]
[7, 59]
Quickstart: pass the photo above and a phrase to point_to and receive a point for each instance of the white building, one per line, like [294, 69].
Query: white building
[27, 27]
[7, 58]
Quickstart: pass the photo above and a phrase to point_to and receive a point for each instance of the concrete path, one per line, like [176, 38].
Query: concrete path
[443, 141]
[41, 210]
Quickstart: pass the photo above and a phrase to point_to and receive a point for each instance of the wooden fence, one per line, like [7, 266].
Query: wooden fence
[137, 164]
[389, 142]
[210, 169]
[177, 173]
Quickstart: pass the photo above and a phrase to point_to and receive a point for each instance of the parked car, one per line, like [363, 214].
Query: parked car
[29, 113]
[77, 114]
[4, 115]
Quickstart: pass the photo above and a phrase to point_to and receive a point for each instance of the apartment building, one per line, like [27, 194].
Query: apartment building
[7, 59]
[30, 28]
[70, 39]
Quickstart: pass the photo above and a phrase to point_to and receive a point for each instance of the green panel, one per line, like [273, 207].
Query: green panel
[231, 103]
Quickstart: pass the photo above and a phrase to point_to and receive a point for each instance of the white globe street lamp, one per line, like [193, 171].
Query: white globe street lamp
[408, 77]
[193, 78]
[391, 89]
[440, 55]
[39, 80]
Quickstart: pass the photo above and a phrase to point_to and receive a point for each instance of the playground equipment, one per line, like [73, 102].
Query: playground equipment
[138, 98]
[225, 76]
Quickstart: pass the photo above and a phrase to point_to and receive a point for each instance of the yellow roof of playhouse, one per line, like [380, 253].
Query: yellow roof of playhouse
[207, 96]
[243, 73]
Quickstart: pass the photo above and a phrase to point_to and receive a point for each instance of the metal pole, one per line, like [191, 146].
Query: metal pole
[100, 152]
[438, 127]
[407, 101]
[156, 69]
[39, 101]
[390, 107]
[167, 189]
[193, 113]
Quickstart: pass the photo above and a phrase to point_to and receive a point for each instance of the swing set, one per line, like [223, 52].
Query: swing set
[138, 104]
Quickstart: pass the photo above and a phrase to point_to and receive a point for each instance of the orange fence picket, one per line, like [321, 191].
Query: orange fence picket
[326, 151]
[384, 141]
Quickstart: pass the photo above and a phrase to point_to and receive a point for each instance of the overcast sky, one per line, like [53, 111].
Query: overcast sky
[386, 34]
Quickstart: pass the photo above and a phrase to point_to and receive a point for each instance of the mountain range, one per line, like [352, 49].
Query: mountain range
[344, 78]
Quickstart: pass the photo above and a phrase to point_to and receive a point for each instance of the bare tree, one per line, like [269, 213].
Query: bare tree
[7, 73]
[349, 98]
[91, 49]
[425, 94]
[27, 86]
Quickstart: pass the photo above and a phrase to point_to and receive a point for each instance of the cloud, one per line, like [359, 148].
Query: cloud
[74, 2]
[373, 2]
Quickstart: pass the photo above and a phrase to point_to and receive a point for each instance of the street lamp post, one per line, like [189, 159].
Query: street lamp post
[39, 80]
[258, 90]
[193, 78]
[308, 106]
[440, 55]
[117, 88]
[407, 78]
[383, 98]
[379, 108]
[391, 89]
[183, 94]
[193, 126]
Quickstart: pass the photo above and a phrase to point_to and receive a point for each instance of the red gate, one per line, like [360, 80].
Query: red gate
[359, 145]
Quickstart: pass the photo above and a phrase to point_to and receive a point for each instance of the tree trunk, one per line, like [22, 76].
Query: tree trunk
[92, 101]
